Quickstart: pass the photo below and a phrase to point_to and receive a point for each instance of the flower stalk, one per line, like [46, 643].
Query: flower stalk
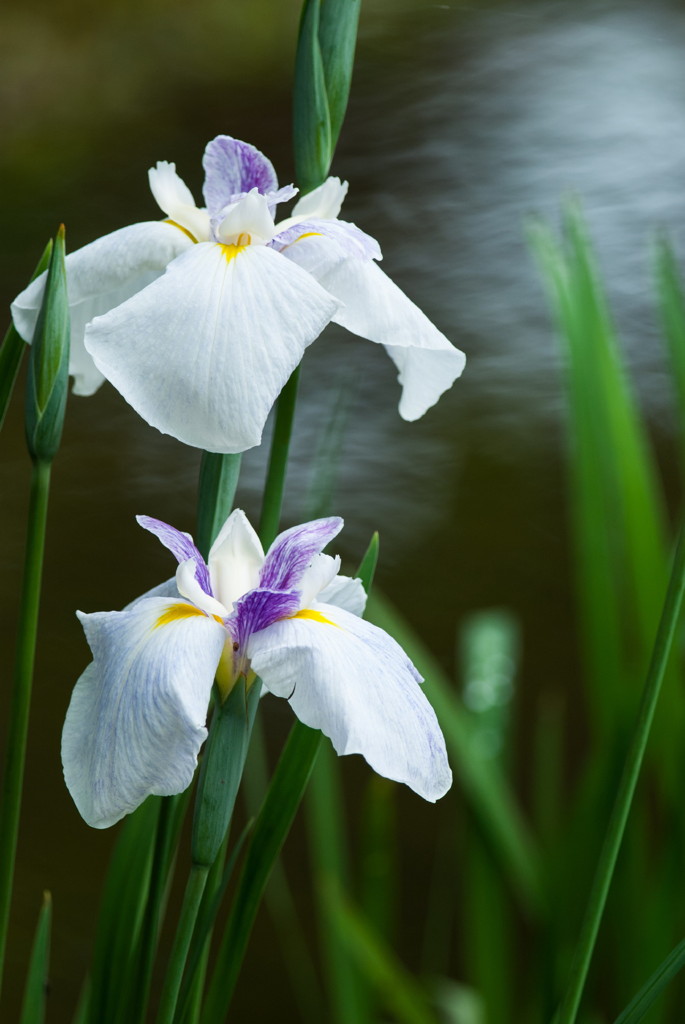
[45, 406]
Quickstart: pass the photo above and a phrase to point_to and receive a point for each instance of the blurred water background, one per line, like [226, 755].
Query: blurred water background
[464, 121]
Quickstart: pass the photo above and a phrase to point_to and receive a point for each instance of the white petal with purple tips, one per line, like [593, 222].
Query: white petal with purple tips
[136, 720]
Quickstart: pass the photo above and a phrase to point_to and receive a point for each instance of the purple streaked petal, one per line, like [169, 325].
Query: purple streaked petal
[349, 237]
[293, 550]
[181, 546]
[233, 167]
[259, 609]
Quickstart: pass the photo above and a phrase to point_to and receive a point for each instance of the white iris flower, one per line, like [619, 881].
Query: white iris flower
[199, 320]
[136, 720]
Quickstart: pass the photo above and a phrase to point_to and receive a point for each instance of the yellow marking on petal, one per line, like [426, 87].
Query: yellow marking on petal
[180, 228]
[177, 612]
[231, 251]
[310, 613]
[307, 234]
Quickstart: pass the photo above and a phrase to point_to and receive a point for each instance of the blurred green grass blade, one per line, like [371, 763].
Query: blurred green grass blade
[121, 914]
[398, 989]
[618, 508]
[672, 302]
[367, 566]
[489, 647]
[287, 787]
[14, 346]
[330, 867]
[35, 993]
[460, 1004]
[83, 1006]
[481, 780]
[378, 855]
[654, 987]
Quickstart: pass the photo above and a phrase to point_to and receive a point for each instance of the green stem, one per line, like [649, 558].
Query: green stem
[278, 460]
[21, 694]
[191, 904]
[216, 491]
[619, 815]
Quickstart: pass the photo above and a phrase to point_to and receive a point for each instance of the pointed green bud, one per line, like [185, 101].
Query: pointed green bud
[323, 72]
[221, 770]
[48, 376]
[13, 347]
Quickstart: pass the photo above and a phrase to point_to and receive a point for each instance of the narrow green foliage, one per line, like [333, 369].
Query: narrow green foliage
[221, 770]
[330, 866]
[672, 301]
[35, 993]
[287, 787]
[482, 781]
[633, 763]
[278, 461]
[400, 992]
[14, 346]
[216, 492]
[48, 376]
[192, 900]
[338, 21]
[367, 566]
[20, 701]
[654, 987]
[323, 72]
[311, 116]
[617, 504]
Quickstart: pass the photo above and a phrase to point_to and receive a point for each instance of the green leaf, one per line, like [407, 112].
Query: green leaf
[672, 301]
[48, 376]
[338, 21]
[401, 993]
[652, 989]
[311, 118]
[14, 346]
[272, 826]
[481, 779]
[367, 566]
[216, 491]
[33, 1007]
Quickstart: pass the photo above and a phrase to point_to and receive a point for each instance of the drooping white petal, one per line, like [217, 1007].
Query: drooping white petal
[235, 559]
[324, 201]
[174, 198]
[203, 352]
[375, 308]
[352, 681]
[136, 720]
[100, 276]
[345, 592]
[189, 587]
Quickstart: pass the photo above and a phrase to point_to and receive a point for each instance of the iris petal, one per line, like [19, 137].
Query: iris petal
[233, 167]
[375, 308]
[215, 340]
[100, 276]
[136, 720]
[352, 681]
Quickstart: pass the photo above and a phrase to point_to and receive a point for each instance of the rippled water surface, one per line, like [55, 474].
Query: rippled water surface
[464, 122]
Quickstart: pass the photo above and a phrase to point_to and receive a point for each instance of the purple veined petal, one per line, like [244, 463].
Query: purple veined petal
[136, 720]
[350, 679]
[258, 610]
[189, 587]
[351, 239]
[293, 551]
[100, 276]
[203, 352]
[181, 546]
[232, 167]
